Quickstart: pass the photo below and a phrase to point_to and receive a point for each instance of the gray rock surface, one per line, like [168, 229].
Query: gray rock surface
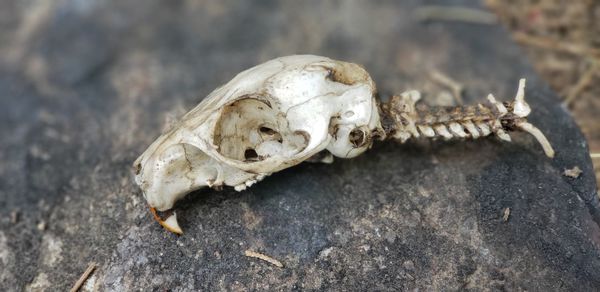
[86, 86]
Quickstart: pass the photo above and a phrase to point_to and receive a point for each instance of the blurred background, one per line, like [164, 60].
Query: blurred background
[562, 39]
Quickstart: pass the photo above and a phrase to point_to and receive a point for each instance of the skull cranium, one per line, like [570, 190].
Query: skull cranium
[268, 118]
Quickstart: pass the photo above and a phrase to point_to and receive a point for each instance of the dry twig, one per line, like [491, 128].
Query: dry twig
[449, 13]
[551, 44]
[506, 214]
[453, 85]
[574, 172]
[14, 217]
[83, 277]
[584, 81]
[263, 257]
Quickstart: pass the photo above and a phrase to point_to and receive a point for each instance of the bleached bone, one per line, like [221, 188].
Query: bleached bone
[297, 108]
[270, 117]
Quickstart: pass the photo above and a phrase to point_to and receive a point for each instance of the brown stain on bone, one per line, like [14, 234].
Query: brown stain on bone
[347, 73]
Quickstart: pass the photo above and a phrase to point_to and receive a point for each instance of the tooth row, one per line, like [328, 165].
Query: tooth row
[250, 182]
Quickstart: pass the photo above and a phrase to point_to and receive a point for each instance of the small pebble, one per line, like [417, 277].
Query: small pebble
[573, 172]
[14, 217]
[41, 226]
[409, 265]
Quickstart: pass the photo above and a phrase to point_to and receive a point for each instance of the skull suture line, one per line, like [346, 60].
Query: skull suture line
[287, 110]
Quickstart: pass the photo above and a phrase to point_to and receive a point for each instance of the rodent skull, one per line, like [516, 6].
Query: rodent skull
[268, 118]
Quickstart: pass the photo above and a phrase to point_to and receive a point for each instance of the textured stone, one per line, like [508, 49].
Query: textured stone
[86, 85]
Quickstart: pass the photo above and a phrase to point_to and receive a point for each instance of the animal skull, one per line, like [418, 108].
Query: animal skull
[291, 109]
[268, 118]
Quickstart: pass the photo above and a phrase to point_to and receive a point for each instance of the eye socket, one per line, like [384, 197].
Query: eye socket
[358, 137]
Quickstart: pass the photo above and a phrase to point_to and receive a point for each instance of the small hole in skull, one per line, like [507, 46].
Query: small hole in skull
[267, 130]
[357, 137]
[250, 154]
